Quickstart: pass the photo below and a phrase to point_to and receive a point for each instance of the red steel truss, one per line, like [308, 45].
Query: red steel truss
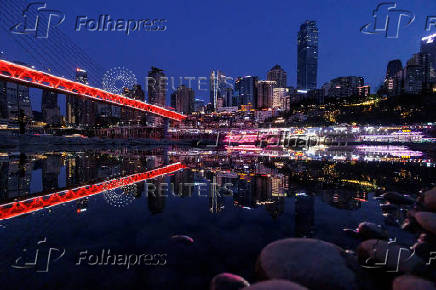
[17, 208]
[33, 78]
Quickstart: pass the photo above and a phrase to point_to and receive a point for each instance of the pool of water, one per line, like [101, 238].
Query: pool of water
[120, 233]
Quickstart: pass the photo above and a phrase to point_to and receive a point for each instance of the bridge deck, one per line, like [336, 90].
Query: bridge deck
[33, 78]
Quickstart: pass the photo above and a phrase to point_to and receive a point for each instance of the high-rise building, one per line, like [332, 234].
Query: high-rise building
[3, 101]
[416, 74]
[245, 91]
[428, 46]
[393, 80]
[17, 100]
[343, 87]
[394, 66]
[281, 99]
[307, 56]
[220, 90]
[80, 110]
[129, 115]
[157, 87]
[13, 99]
[49, 106]
[278, 75]
[182, 100]
[265, 93]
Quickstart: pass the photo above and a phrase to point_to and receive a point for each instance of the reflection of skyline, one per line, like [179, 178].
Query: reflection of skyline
[256, 182]
[36, 203]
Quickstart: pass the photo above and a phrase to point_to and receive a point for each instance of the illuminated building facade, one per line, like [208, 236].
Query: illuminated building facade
[50, 110]
[281, 99]
[277, 74]
[394, 77]
[245, 91]
[343, 87]
[307, 56]
[182, 100]
[428, 46]
[417, 74]
[220, 90]
[157, 87]
[265, 93]
[17, 99]
[80, 111]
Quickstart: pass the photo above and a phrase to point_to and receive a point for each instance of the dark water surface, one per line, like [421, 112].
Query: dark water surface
[237, 205]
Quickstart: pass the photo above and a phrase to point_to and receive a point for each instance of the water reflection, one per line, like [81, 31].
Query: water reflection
[249, 181]
[221, 199]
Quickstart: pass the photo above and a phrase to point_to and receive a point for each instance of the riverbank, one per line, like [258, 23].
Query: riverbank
[48, 142]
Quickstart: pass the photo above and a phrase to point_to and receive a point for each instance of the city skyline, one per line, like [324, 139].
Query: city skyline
[336, 39]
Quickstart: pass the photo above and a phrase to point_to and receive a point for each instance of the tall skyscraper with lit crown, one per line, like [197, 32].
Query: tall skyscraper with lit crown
[307, 56]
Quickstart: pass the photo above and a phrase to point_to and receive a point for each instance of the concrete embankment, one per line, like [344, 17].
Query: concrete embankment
[46, 142]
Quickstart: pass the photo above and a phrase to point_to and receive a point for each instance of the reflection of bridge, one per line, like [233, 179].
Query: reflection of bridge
[29, 77]
[18, 208]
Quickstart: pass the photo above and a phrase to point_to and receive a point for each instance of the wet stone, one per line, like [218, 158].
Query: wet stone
[312, 263]
[427, 220]
[228, 281]
[276, 285]
[407, 282]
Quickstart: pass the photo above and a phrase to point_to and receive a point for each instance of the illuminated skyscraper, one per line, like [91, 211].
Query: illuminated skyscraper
[49, 107]
[3, 101]
[307, 56]
[157, 87]
[129, 115]
[428, 46]
[265, 93]
[220, 90]
[245, 91]
[81, 111]
[182, 100]
[394, 80]
[417, 73]
[278, 75]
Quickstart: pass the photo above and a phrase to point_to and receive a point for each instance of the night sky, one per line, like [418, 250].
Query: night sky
[244, 37]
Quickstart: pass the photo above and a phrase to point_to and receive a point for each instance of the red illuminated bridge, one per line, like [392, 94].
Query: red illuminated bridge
[18, 208]
[33, 78]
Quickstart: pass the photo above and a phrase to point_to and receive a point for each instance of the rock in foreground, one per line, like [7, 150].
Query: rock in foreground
[430, 200]
[227, 281]
[367, 230]
[398, 198]
[276, 285]
[427, 220]
[312, 263]
[407, 282]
